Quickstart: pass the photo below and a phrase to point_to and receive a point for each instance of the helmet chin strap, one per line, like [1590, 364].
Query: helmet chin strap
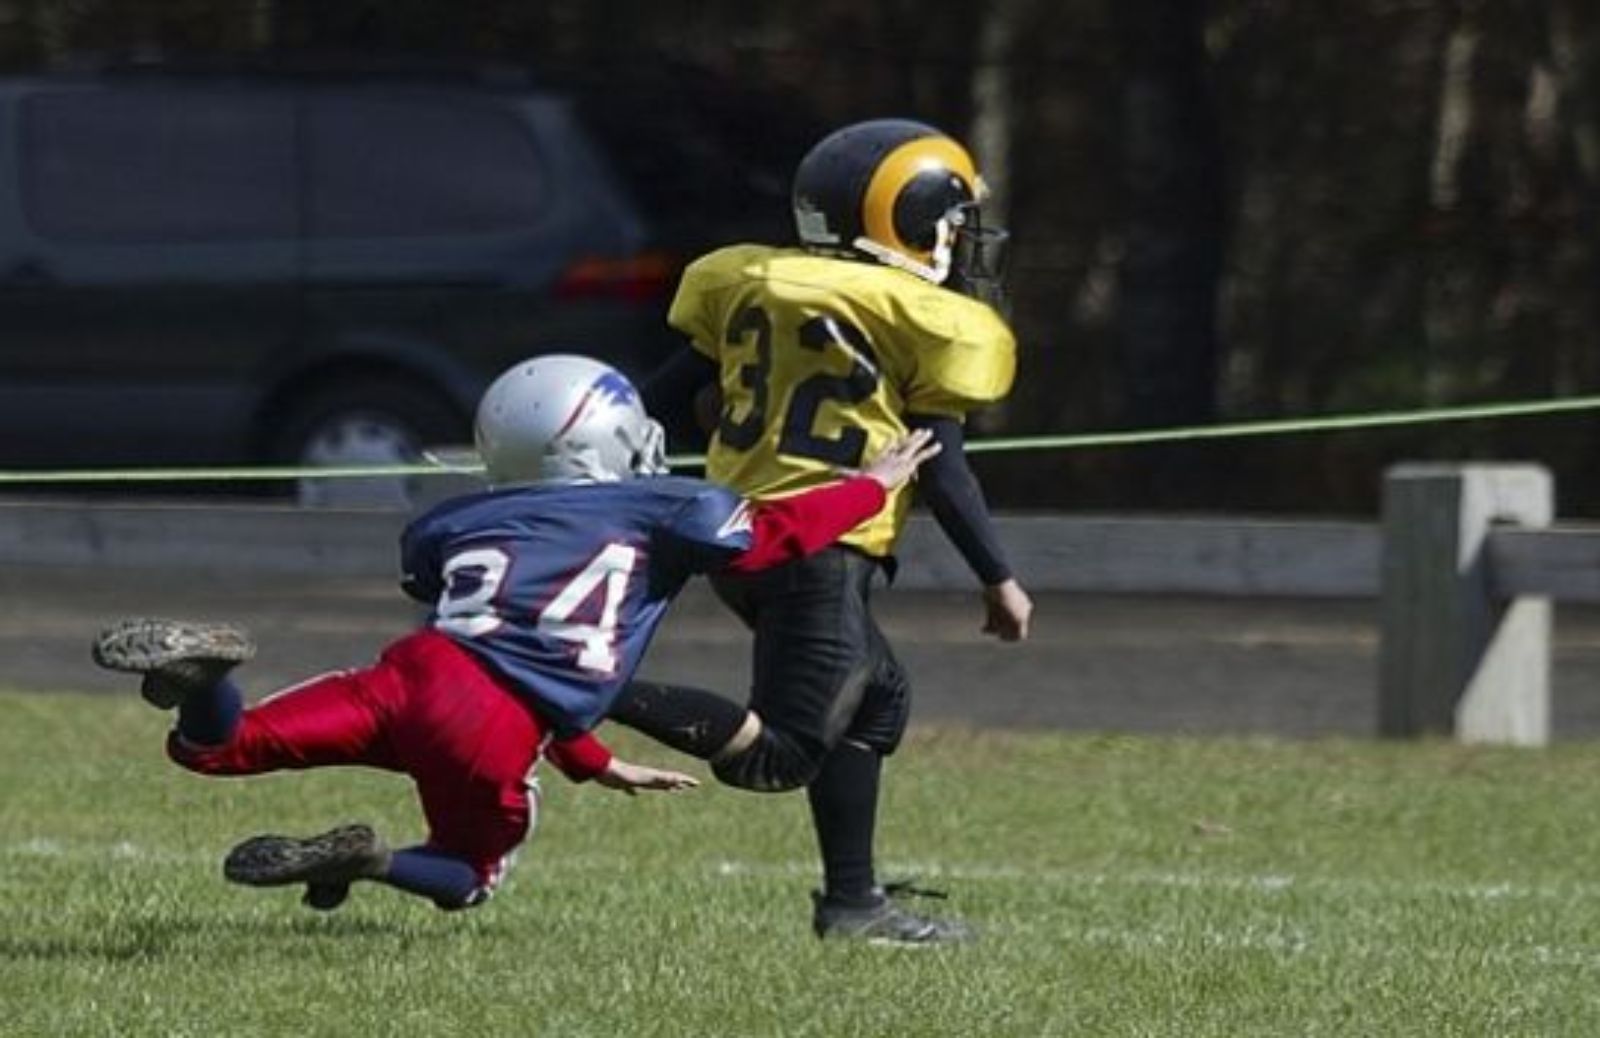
[651, 457]
[936, 273]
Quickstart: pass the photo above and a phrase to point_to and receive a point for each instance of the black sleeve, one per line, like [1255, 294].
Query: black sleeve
[670, 391]
[419, 568]
[419, 590]
[951, 490]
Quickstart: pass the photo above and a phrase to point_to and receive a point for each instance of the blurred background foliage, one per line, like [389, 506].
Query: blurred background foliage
[1222, 209]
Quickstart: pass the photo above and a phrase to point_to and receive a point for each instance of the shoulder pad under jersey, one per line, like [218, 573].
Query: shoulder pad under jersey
[696, 309]
[964, 354]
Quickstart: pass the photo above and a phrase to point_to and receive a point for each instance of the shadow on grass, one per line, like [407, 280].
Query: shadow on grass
[216, 938]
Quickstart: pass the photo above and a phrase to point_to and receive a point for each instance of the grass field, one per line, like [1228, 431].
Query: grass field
[1123, 886]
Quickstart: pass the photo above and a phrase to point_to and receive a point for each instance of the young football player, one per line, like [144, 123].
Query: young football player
[885, 319]
[545, 590]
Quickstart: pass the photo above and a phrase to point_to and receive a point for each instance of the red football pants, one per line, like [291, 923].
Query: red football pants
[426, 708]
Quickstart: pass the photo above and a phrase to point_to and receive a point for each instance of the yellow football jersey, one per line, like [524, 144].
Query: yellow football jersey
[820, 360]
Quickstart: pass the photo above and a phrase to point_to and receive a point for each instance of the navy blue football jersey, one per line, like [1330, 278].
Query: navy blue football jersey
[559, 589]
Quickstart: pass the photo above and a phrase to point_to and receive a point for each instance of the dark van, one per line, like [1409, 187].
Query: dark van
[229, 269]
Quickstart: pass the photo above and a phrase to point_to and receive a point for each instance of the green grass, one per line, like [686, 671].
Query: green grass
[1125, 886]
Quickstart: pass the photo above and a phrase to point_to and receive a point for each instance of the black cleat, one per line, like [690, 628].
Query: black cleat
[177, 658]
[327, 863]
[325, 897]
[881, 921]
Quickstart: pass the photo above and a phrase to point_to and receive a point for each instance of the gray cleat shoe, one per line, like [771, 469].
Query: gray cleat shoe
[327, 863]
[177, 658]
[881, 921]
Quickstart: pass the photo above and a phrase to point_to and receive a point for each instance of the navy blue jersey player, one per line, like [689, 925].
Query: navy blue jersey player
[544, 593]
[587, 570]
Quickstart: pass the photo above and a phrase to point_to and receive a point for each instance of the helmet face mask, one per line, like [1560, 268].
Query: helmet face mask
[979, 262]
[896, 191]
[564, 418]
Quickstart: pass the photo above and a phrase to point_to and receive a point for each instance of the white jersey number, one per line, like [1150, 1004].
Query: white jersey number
[597, 642]
[473, 578]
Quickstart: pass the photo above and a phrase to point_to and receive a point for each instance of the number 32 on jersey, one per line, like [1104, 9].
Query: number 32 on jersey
[752, 327]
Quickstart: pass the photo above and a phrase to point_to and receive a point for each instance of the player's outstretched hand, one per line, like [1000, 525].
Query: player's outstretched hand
[898, 462]
[1007, 610]
[630, 778]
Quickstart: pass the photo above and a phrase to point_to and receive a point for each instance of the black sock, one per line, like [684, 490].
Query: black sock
[844, 809]
[690, 720]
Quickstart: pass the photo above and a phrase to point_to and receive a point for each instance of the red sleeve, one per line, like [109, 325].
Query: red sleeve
[790, 528]
[580, 758]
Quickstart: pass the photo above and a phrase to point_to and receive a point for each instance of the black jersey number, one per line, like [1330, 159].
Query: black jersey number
[745, 433]
[798, 435]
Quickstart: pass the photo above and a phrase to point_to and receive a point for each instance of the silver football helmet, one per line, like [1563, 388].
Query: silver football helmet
[564, 418]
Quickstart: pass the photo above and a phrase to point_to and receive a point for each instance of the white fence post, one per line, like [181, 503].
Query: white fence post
[1456, 657]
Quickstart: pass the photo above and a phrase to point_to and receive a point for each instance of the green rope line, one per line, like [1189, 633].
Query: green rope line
[1287, 426]
[1079, 441]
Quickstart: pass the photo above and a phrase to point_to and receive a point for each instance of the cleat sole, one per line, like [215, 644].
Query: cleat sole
[145, 646]
[332, 859]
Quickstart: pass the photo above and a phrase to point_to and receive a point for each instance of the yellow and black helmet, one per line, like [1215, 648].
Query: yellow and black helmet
[893, 189]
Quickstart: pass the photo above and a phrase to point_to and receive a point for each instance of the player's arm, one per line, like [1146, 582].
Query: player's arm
[684, 387]
[952, 493]
[630, 778]
[584, 757]
[579, 757]
[960, 354]
[687, 385]
[790, 528]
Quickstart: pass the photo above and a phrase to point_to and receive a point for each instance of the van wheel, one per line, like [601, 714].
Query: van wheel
[384, 421]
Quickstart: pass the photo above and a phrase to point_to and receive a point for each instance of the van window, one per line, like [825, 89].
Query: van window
[158, 165]
[385, 167]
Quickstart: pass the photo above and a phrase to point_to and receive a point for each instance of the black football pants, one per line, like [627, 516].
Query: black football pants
[822, 669]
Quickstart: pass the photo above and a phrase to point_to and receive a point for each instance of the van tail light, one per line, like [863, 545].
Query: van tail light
[645, 277]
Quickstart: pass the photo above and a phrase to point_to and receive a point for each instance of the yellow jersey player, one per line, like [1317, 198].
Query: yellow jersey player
[885, 319]
[821, 362]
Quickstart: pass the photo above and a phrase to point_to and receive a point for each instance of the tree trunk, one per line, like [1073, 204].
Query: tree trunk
[1174, 216]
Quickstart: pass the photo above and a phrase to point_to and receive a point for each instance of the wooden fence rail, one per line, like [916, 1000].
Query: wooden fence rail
[1464, 566]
